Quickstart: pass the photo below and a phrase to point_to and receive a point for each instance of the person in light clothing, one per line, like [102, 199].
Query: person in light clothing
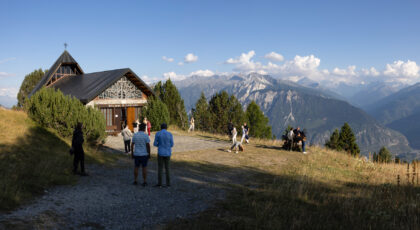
[164, 141]
[234, 134]
[140, 152]
[126, 133]
[191, 125]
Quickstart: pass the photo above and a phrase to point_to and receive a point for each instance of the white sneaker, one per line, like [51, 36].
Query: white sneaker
[247, 141]
[236, 152]
[229, 151]
[304, 152]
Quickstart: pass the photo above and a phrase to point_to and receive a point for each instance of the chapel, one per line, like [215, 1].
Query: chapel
[119, 94]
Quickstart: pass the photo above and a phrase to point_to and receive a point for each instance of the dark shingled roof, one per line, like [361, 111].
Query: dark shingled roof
[86, 87]
[65, 58]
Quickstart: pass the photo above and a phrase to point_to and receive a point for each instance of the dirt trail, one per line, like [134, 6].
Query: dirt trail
[107, 200]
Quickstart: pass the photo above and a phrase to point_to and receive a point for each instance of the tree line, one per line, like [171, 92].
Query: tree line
[210, 116]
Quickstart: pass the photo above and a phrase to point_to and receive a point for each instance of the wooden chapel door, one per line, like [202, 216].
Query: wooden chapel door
[131, 117]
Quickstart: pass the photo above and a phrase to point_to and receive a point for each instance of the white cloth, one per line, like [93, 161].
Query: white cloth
[234, 134]
[126, 133]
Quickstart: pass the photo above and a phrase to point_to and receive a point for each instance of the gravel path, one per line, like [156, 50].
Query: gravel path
[107, 200]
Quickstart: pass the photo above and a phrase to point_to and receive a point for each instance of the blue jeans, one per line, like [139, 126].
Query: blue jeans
[303, 146]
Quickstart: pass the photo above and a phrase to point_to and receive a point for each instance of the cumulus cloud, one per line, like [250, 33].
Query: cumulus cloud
[190, 58]
[350, 71]
[168, 59]
[10, 92]
[370, 72]
[243, 63]
[402, 69]
[202, 73]
[273, 56]
[173, 76]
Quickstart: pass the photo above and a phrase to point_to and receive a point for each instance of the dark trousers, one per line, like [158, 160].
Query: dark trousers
[161, 162]
[79, 157]
[127, 146]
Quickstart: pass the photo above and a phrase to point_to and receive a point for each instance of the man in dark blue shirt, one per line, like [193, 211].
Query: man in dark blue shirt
[164, 141]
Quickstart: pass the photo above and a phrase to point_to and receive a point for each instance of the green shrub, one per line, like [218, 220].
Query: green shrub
[52, 109]
[157, 113]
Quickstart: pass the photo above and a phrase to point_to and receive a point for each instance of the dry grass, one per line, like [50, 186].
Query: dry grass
[288, 190]
[33, 159]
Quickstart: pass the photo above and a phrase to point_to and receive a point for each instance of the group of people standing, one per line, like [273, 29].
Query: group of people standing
[138, 144]
[294, 139]
[232, 131]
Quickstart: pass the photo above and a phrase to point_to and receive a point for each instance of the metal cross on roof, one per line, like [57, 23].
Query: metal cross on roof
[65, 46]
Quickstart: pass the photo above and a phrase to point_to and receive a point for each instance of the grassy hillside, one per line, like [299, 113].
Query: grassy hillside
[288, 190]
[32, 159]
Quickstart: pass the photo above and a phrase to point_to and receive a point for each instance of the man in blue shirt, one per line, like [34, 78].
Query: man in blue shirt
[164, 141]
[140, 153]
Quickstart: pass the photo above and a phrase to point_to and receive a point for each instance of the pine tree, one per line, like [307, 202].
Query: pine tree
[169, 95]
[384, 155]
[257, 121]
[223, 109]
[157, 113]
[347, 140]
[333, 142]
[202, 114]
[28, 84]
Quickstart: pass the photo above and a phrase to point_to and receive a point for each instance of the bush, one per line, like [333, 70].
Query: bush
[28, 84]
[52, 109]
[157, 113]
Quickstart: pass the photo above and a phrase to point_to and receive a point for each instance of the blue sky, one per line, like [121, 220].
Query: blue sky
[104, 35]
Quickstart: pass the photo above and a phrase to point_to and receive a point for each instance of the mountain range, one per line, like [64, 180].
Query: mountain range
[401, 111]
[288, 103]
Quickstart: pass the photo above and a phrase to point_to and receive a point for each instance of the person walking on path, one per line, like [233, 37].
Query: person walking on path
[246, 133]
[149, 127]
[234, 134]
[191, 125]
[237, 146]
[164, 141]
[77, 149]
[140, 152]
[126, 133]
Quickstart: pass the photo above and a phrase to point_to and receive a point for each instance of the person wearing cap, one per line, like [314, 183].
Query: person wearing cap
[164, 141]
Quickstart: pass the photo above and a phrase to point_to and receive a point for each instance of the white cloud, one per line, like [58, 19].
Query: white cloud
[350, 71]
[173, 76]
[168, 59]
[180, 63]
[4, 74]
[273, 56]
[7, 59]
[244, 63]
[190, 58]
[10, 92]
[203, 73]
[408, 69]
[370, 72]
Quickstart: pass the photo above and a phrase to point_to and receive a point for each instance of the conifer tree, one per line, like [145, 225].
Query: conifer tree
[347, 140]
[223, 109]
[257, 121]
[169, 95]
[202, 114]
[28, 84]
[333, 142]
[157, 113]
[384, 155]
